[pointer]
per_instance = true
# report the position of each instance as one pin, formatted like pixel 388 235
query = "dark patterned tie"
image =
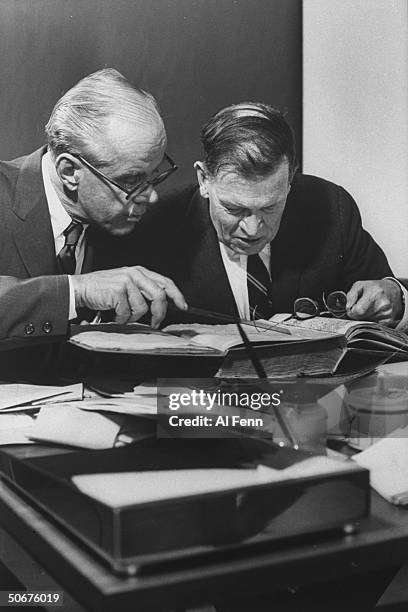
pixel 66 256
pixel 259 288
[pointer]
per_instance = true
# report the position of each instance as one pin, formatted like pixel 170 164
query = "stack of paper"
pixel 387 461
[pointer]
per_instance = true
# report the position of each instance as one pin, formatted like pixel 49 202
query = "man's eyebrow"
pixel 229 203
pixel 134 177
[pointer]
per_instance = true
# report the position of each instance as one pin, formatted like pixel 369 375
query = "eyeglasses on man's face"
pixel 157 177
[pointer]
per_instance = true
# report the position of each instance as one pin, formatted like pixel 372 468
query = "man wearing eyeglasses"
pixel 65 208
pixel 256 236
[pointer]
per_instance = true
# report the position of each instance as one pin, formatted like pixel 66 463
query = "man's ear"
pixel 68 169
pixel 202 178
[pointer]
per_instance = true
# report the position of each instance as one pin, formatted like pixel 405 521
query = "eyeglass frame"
pixel 138 188
pixel 319 312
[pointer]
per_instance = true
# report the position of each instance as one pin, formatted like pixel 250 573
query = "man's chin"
pixel 243 247
pixel 123 229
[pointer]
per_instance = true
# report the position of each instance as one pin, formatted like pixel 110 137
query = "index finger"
pixel 171 289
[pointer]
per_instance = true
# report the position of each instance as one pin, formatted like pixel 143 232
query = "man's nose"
pixel 250 225
pixel 147 196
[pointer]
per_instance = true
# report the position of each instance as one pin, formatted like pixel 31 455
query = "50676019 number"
pixel 31 598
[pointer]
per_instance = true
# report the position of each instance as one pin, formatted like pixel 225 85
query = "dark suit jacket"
pixel 34 298
pixel 321 246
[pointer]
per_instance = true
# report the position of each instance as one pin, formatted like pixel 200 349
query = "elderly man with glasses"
pixel 257 238
pixel 64 207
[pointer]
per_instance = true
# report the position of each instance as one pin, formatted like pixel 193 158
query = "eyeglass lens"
pixel 305 308
pixel 336 303
pixel 151 182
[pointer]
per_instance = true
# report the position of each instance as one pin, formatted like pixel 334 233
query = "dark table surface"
pixel 382 540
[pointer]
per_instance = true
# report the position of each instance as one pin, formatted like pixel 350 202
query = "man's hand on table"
pixel 130 292
pixel 376 300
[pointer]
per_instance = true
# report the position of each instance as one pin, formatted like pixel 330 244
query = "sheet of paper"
pixel 14 427
pixel 22 395
pixel 67 424
pixel 128 488
pixel 387 461
pixel 136 406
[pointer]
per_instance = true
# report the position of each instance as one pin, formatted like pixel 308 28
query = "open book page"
pixel 327 325
pixel 359 334
pixel 224 337
pixel 135 343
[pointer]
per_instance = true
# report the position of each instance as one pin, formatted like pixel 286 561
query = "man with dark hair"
pixel 256 235
pixel 60 205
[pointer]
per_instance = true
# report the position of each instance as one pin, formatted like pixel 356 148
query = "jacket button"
pixel 47 327
pixel 29 329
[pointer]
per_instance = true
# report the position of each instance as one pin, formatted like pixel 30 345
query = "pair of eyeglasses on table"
pixel 304 308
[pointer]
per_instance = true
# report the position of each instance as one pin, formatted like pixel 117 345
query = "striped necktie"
pixel 259 288
pixel 66 256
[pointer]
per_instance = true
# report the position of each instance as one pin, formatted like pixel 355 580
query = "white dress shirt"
pixel 60 220
pixel 236 268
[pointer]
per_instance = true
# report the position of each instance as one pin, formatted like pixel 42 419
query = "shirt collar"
pixel 237 257
pixel 60 219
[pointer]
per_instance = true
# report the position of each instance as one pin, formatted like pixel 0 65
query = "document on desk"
pixel 129 488
pixel 316 347
pixel 14 428
pixel 135 405
pixel 194 339
pixel 387 461
pixel 66 424
pixel 18 396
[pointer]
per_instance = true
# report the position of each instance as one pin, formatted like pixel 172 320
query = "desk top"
pixel 382 540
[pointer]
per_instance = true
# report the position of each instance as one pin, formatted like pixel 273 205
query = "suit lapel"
pixel 31 223
pixel 210 285
pixel 287 256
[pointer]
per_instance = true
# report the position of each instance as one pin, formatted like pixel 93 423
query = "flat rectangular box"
pixel 134 538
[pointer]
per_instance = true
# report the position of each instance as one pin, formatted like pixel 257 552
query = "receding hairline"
pixel 88 107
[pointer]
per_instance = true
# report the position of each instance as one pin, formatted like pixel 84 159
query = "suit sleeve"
pixel 33 309
pixel 363 259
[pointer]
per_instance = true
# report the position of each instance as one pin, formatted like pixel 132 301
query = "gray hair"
pixel 82 113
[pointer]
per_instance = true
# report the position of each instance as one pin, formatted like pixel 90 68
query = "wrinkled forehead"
pixel 137 143
pixel 233 187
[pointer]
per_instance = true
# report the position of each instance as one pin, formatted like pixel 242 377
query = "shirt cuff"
pixel 72 309
pixel 403 323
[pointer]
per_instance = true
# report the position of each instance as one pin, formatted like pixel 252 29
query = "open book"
pixel 316 347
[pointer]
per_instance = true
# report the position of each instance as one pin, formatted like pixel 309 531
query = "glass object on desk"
pixel 306 418
pixel 376 411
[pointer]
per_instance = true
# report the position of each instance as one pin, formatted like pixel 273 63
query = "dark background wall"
pixel 195 56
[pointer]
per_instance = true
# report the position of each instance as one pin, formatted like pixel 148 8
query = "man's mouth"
pixel 248 240
pixel 133 218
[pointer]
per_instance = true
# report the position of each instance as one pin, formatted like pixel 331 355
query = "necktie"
pixel 259 288
pixel 66 256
